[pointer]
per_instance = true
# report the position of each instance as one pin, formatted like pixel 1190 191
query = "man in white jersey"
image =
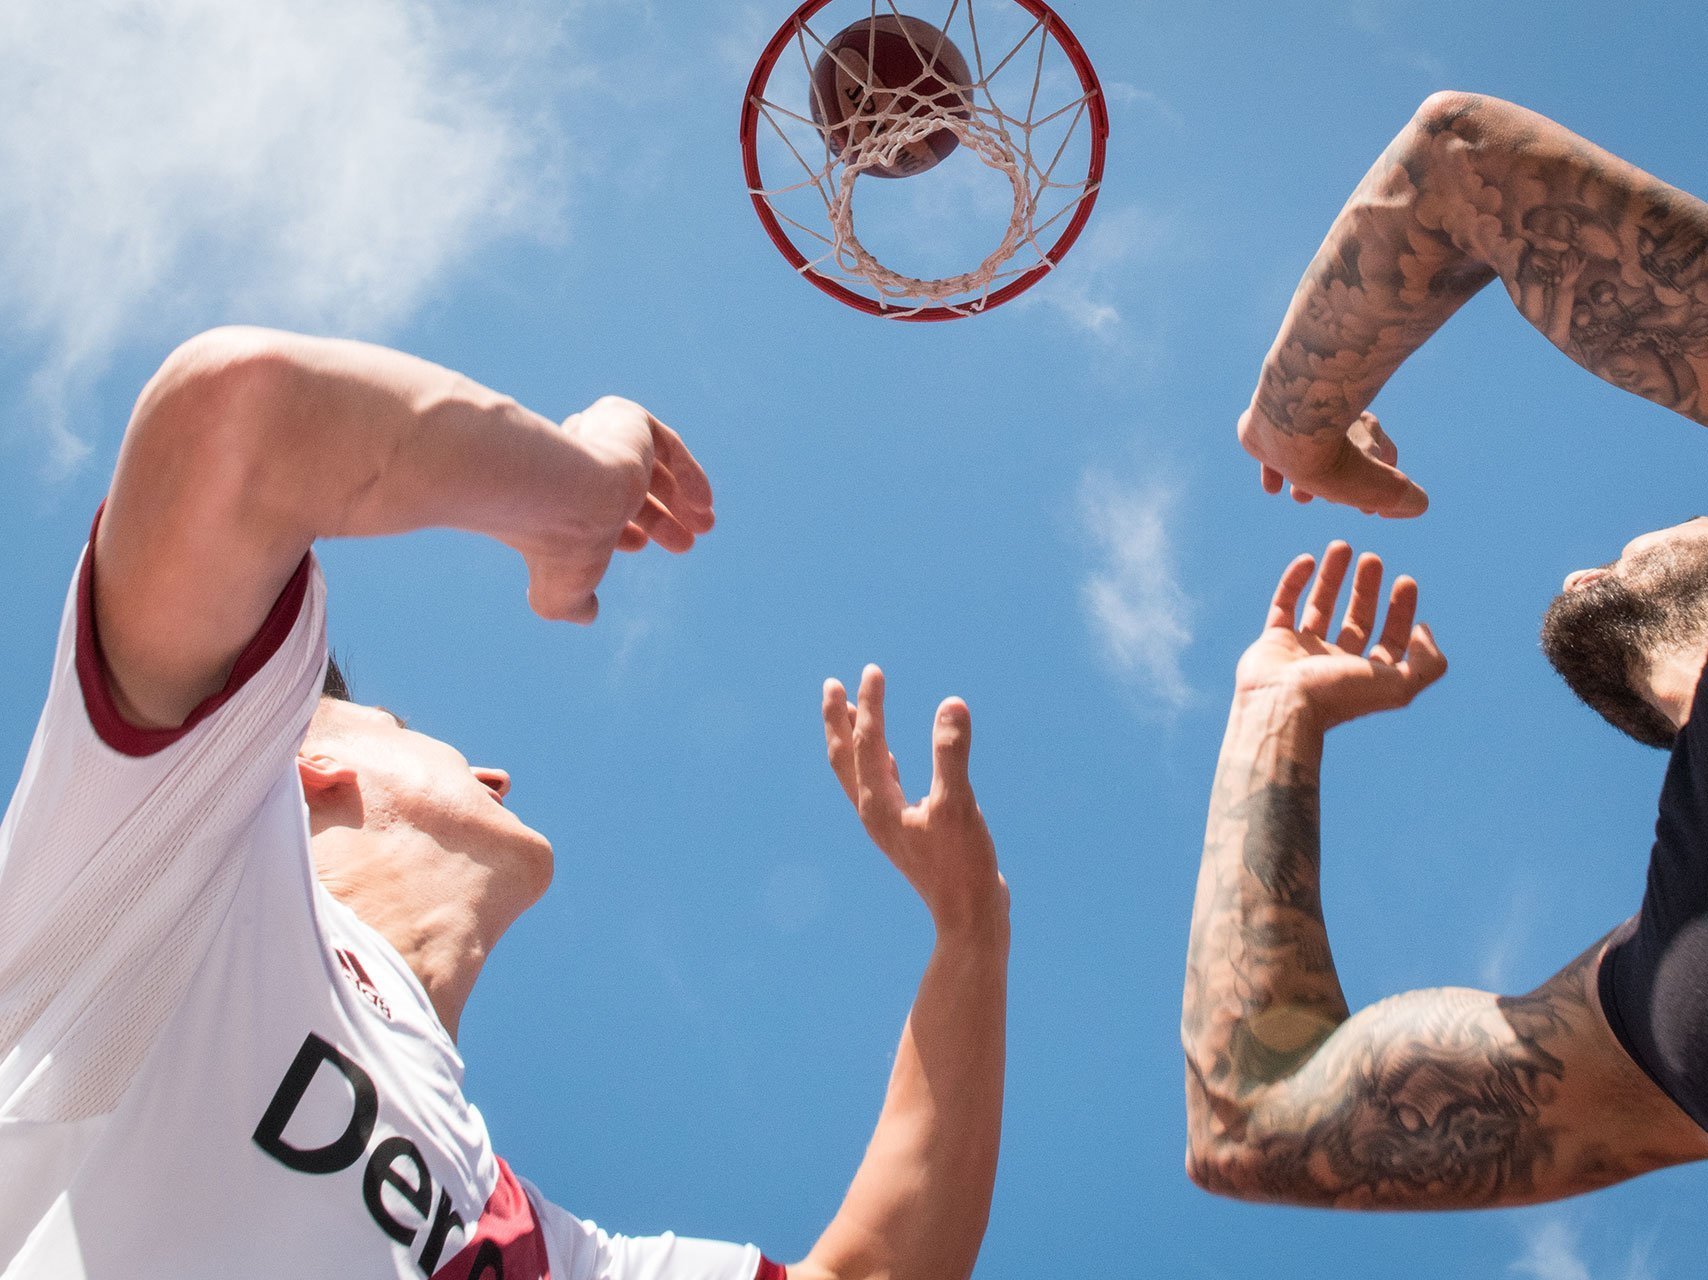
pixel 239 921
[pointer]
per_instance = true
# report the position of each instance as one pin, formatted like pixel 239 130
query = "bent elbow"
pixel 1213 1166
pixel 211 410
pixel 212 380
pixel 1471 116
pixel 1240 1171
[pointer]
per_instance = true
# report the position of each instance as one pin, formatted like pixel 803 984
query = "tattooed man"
pixel 1608 262
pixel 1455 1098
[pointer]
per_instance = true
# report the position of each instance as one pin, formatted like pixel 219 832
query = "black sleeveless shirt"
pixel 1654 977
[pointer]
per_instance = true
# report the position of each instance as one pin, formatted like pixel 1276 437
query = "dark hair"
pixel 1596 641
pixel 335 686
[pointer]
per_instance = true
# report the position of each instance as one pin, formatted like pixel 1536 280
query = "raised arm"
pixel 1608 262
pixel 249 444
pixel 1437 1099
pixel 920 1201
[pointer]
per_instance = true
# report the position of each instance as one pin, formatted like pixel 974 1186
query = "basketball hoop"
pixel 814 147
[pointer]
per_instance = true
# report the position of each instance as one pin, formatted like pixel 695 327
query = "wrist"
pixel 1279 430
pixel 1279 704
pixel 983 927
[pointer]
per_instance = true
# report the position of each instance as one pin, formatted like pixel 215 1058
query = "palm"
pixel 1336 677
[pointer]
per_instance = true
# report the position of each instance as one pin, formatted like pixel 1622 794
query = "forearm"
pixel 1607 261
pixel 919 1204
pixel 250 444
pixel 1261 990
pixel 1437 1099
pixel 324 437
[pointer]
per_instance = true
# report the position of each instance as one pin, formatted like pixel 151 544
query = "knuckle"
pixel 616 404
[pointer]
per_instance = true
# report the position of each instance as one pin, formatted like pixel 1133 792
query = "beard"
pixel 1603 638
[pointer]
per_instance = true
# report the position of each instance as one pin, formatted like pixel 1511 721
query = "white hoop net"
pixel 1042 152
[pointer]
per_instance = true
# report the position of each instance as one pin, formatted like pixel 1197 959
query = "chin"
pixel 541 861
pixel 527 856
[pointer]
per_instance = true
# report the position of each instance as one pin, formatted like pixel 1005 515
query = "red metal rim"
pixel 1098 110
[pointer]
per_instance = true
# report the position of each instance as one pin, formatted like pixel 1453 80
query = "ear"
pixel 322 774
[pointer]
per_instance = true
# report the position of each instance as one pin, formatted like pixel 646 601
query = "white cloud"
pixel 1087 289
pixel 742 35
pixel 1123 94
pixel 1504 953
pixel 1134 602
pixel 1553 1252
pixel 321 163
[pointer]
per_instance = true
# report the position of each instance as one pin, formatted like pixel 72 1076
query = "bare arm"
pixel 1608 262
pixel 920 1201
pixel 1438 1099
pixel 249 444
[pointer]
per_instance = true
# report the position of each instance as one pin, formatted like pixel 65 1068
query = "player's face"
pixel 415 780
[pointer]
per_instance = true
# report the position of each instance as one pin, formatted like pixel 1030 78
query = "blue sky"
pixel 1042 509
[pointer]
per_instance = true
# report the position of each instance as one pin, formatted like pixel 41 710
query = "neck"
pixel 1672 680
pixel 442 913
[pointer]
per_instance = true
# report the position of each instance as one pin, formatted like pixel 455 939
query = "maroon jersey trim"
pixel 507 1243
pixel 769 1270
pixel 133 740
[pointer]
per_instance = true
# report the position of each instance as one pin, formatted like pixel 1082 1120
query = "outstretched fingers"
pixel 878 793
pixel 1407 646
pixel 656 522
pixel 839 738
pixel 1285 604
pixel 951 745
pixel 1319 607
pixel 1360 619
pixel 679 480
pixel 1397 631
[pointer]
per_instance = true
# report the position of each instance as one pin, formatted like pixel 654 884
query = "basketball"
pixel 883 68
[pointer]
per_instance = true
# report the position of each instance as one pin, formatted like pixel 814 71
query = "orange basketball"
pixel 885 67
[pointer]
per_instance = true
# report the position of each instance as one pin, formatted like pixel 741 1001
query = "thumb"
pixel 1379 487
pixel 951 744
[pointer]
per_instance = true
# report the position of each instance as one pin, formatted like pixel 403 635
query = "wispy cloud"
pixel 322 163
pixel 1373 19
pixel 1553 1251
pixel 1121 93
pixel 1092 287
pixel 1504 953
pixel 1133 599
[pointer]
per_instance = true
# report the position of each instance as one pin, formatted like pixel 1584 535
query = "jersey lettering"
pixel 395 1161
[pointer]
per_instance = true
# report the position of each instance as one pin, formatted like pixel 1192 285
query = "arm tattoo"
pixel 1433 1099
pixel 1262 993
pixel 1608 262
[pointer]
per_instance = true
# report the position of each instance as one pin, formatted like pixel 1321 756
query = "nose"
pixel 497 779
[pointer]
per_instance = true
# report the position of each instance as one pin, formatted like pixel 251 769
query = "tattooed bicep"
pixel 1429 1098
pixel 1608 261
pixel 1453 1098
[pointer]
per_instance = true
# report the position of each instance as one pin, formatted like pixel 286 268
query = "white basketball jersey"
pixel 208 1066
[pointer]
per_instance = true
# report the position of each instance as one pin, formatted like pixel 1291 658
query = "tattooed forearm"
pixel 1261 988
pixel 1610 263
pixel 1436 1099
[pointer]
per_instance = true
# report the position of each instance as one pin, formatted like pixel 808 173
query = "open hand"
pixel 636 483
pixel 1337 680
pixel 1357 469
pixel 940 842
